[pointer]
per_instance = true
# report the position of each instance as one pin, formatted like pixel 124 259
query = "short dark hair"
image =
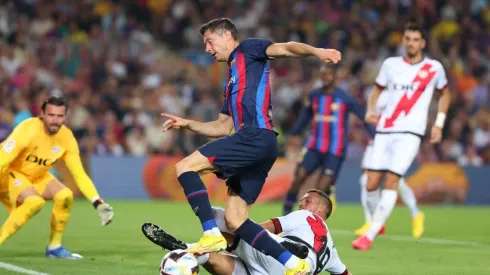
pixel 412 26
pixel 219 26
pixel 326 200
pixel 56 101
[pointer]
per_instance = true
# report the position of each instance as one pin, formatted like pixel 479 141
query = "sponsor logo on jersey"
pixel 403 87
pixel 40 161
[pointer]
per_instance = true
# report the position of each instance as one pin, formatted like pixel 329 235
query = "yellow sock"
pixel 20 216
pixel 63 202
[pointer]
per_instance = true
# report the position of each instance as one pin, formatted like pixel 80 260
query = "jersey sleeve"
pixel 256 48
pixel 74 164
pixel 291 221
pixel 15 143
pixel 305 116
pixel 441 81
pixel 383 77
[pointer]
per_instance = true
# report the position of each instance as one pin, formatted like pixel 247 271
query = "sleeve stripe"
pixel 277 225
pixel 381 87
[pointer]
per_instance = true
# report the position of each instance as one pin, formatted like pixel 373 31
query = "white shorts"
pixel 394 152
pixel 366 158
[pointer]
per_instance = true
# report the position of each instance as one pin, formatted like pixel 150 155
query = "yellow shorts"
pixel 12 183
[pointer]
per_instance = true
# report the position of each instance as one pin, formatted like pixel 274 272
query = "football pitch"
pixel 457 240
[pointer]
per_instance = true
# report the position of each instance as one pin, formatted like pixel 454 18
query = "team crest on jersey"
pixel 55 149
pixel 231 81
pixel 423 74
pixel 335 106
pixel 9 146
pixel 328 172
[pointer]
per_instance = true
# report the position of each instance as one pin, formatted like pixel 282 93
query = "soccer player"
pixel 306 226
pixel 410 82
pixel 329 107
pixel 26 157
pixel 403 188
pixel 245 157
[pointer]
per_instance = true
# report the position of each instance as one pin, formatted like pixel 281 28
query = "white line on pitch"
pixel 421 240
pixel 15 268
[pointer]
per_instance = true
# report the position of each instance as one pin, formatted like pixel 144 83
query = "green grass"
pixel 121 248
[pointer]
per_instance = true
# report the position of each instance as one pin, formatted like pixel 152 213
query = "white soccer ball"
pixel 179 262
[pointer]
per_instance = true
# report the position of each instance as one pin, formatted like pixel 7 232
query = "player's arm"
pixel 360 113
pixel 444 102
pixel 297 49
pixel 305 117
pixel 221 127
pixel 85 184
pixel 380 83
pixel 290 222
pixel 13 145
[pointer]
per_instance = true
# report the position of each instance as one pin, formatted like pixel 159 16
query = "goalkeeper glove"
pixel 104 210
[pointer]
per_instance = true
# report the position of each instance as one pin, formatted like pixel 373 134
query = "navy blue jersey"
pixel 248 92
pixel 330 113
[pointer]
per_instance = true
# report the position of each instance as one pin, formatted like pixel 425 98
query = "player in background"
pixel 26 157
pixel 410 82
pixel 306 226
pixel 403 188
pixel 245 157
pixel 329 107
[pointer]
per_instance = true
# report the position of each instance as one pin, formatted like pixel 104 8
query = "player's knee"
pixel 64 196
pixel 35 203
pixel 391 182
pixel 234 220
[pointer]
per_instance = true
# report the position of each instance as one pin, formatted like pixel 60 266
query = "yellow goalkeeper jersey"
pixel 29 150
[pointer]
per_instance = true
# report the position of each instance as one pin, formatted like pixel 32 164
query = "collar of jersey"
pixel 230 57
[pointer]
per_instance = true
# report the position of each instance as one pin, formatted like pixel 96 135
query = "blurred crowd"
pixel 122 63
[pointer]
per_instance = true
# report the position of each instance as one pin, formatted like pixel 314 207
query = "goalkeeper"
pixel 26 157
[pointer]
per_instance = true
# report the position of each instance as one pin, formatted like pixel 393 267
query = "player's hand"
pixel 435 135
pixel 371 118
pixel 174 122
pixel 328 55
pixel 105 212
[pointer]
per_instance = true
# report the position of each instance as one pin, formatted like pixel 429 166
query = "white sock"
pixel 292 262
pixel 372 201
pixel 383 211
pixel 203 259
pixel 363 183
pixel 53 247
pixel 214 232
pixel 408 197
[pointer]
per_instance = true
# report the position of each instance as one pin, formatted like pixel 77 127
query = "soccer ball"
pixel 179 262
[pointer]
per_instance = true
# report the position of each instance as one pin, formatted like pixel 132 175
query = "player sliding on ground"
pixel 26 157
pixel 305 226
pixel 245 157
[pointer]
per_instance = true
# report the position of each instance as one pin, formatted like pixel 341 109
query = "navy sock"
pixel 256 236
pixel 289 202
pixel 197 196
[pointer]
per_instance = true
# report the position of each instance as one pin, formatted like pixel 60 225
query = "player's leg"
pixel 23 194
pixel 188 172
pixel 243 191
pixel 410 201
pixel 331 169
pixel 405 147
pixel 309 162
pixel 62 197
pixel 367 213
